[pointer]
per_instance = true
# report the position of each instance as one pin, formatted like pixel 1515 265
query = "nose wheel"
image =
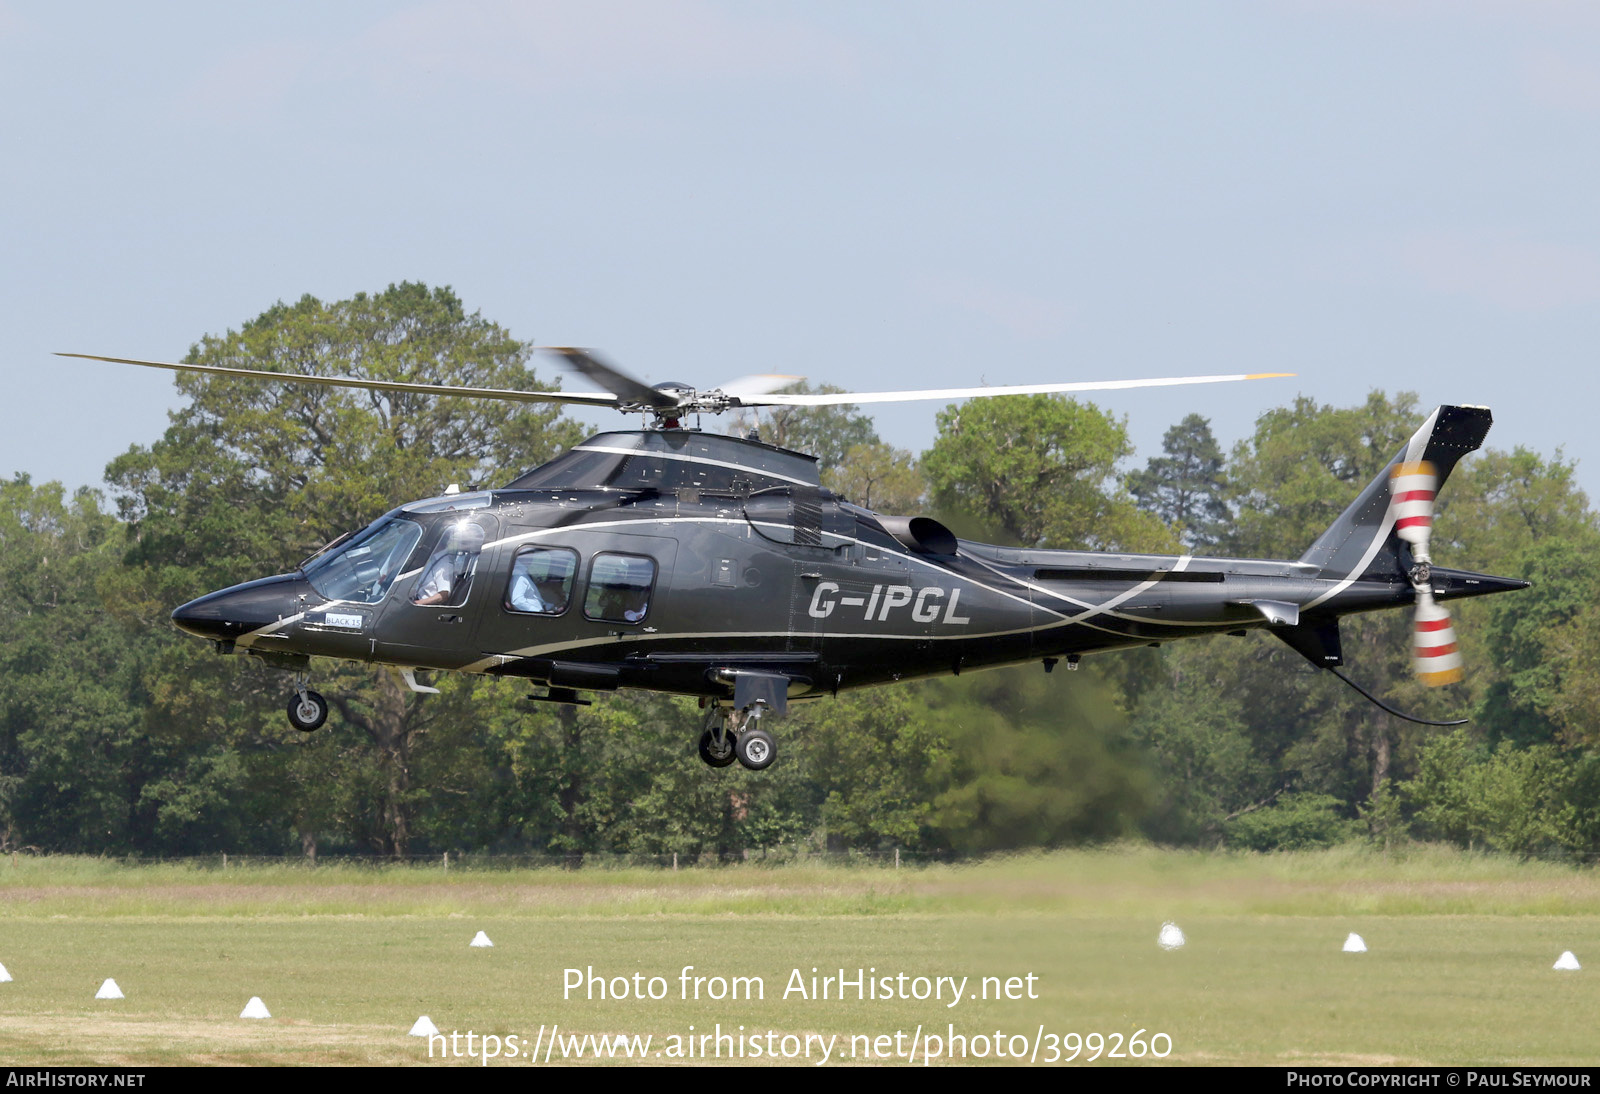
pixel 730 736
pixel 307 709
pixel 756 748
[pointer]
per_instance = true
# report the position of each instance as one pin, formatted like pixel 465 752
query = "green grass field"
pixel 347 958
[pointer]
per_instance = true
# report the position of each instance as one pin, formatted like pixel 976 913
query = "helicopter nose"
pixel 228 613
pixel 203 618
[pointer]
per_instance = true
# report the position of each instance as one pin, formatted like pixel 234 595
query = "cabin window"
pixel 619 588
pixel 541 580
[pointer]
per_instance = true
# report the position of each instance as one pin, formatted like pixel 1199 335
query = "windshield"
pixel 362 569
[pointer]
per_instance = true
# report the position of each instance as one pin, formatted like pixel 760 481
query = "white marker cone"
pixel 480 939
pixel 254 1009
pixel 1566 961
pixel 424 1028
pixel 109 990
pixel 1170 937
pixel 5 977
pixel 1354 944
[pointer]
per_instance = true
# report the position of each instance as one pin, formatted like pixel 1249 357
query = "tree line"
pixel 119 735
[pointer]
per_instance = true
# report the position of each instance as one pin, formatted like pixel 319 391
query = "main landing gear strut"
pixel 737 735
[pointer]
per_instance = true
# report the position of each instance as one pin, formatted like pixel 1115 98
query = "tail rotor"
pixel 1435 657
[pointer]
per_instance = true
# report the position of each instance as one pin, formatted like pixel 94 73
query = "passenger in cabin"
pixel 624 604
pixel 541 580
pixel 524 595
pixel 619 588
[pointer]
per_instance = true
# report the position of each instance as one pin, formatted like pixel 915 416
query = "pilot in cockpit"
pixel 450 572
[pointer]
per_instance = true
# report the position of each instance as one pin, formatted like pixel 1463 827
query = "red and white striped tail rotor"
pixel 1434 654
pixel 1411 491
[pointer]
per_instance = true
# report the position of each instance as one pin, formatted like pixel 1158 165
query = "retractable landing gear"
pixel 733 735
pixel 717 742
pixel 307 709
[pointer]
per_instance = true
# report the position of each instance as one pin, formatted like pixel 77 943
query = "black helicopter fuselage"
pixel 718 567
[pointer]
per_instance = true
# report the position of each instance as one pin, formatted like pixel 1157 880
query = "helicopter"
pixel 718 567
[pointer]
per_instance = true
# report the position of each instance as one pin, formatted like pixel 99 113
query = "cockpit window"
pixel 361 570
pixel 619 588
pixel 448 575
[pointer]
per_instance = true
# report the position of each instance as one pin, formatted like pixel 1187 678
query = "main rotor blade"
pixel 762 383
pixel 584 397
pixel 626 388
pixel 843 397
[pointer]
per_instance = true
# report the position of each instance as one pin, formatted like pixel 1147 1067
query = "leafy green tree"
pixel 75 766
pixel 1306 463
pixel 1509 799
pixel 1575 706
pixel 1036 761
pixel 852 461
pixel 623 777
pixel 1041 471
pixel 875 763
pixel 1500 504
pixel 826 432
pixel 1295 822
pixel 1522 515
pixel 252 476
pixel 1187 486
pixel 1534 645
pixel 1197 732
pixel 878 477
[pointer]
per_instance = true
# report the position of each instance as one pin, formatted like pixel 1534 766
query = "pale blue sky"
pixel 1371 194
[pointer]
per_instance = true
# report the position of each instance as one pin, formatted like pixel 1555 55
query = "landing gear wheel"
pixel 711 754
pixel 756 748
pixel 307 711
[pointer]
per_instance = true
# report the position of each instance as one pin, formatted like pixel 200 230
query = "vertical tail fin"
pixel 1364 541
